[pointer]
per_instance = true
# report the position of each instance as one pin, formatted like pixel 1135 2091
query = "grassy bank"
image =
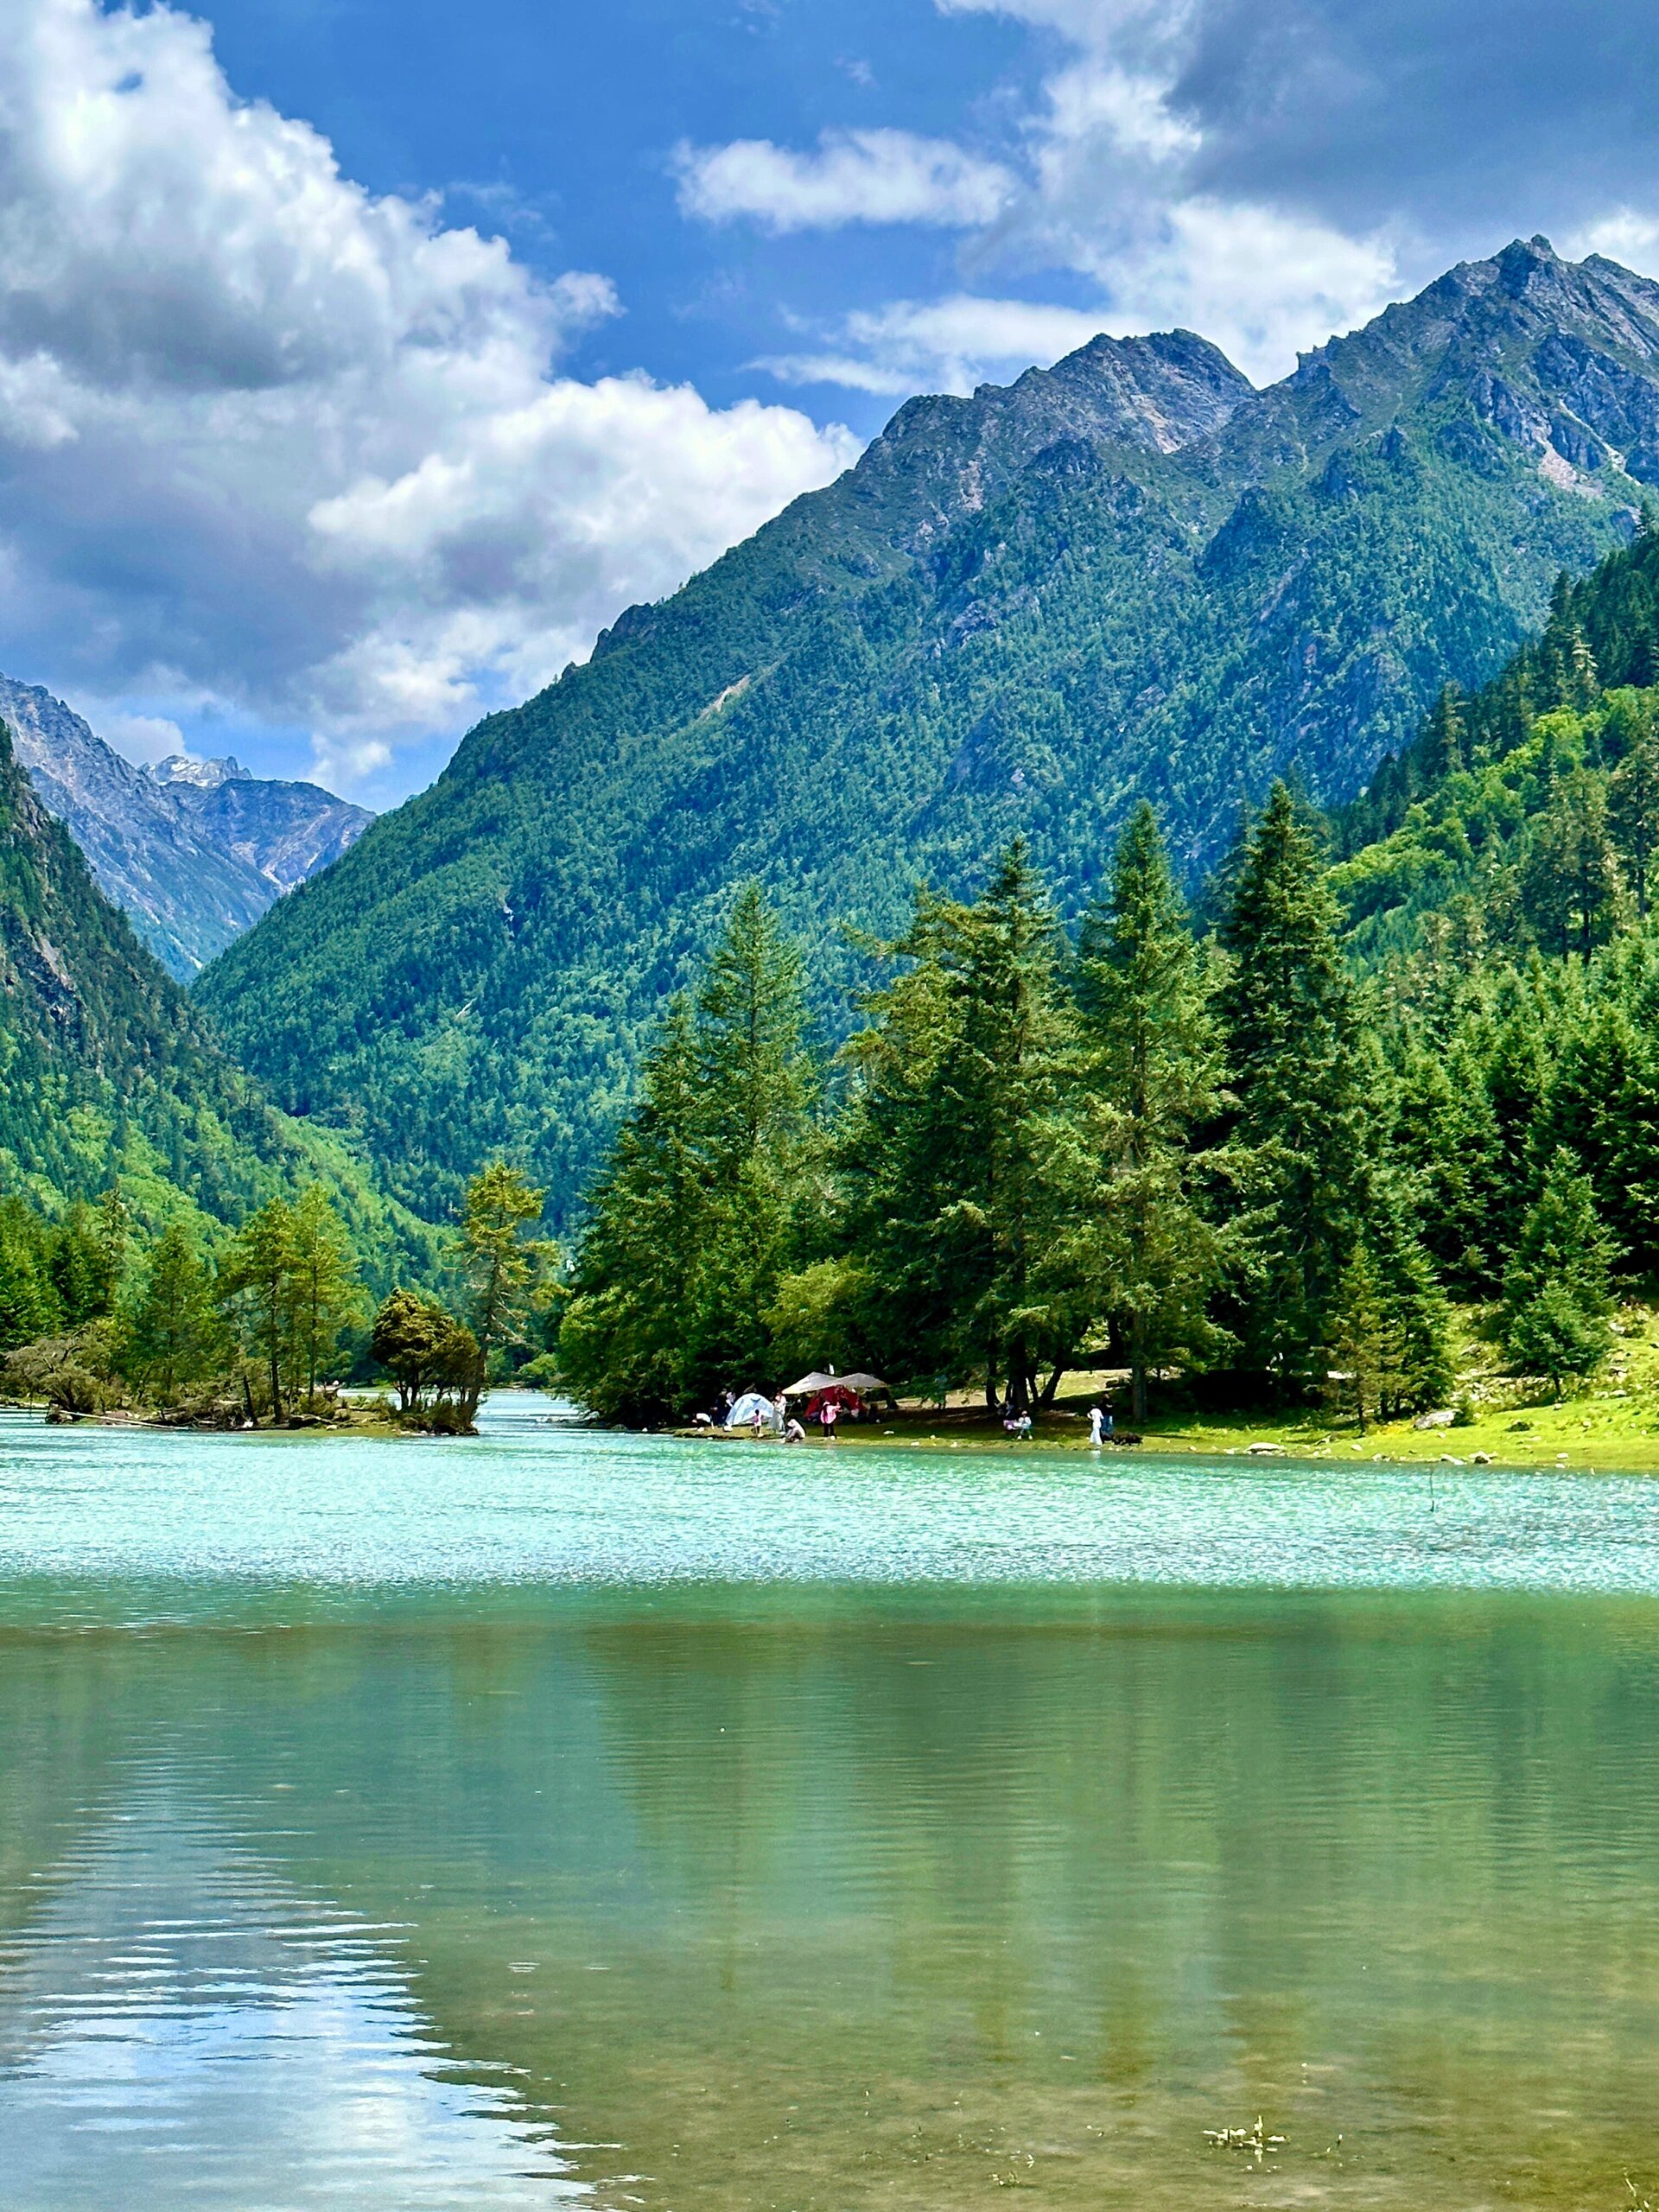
pixel 1613 1424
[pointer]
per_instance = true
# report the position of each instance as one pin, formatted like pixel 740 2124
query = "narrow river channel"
pixel 561 1818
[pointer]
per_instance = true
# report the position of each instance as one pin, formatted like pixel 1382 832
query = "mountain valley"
pixel 194 851
pixel 1132 575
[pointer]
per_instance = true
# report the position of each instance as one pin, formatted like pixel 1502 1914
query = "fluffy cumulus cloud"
pixel 1272 171
pixel 854 176
pixel 1266 171
pixel 273 444
pixel 140 737
pixel 1104 177
pixel 948 345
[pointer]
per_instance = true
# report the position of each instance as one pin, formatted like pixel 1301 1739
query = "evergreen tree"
pixel 430 1356
pixel 1570 877
pixel 326 1295
pixel 695 1222
pixel 115 1239
pixel 969 1171
pixel 502 1267
pixel 1299 1124
pixel 1414 1305
pixel 1364 1344
pixel 756 1083
pixel 1152 1074
pixel 623 1339
pixel 171 1335
pixel 1557 1296
pixel 1446 735
pixel 28 1306
pixel 80 1267
pixel 1633 788
pixel 256 1286
pixel 1445 1139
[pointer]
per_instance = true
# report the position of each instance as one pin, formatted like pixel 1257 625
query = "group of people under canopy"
pixel 820 1397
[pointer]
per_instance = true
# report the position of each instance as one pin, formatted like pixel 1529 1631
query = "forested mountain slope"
pixel 193 852
pixel 1526 818
pixel 1499 882
pixel 1131 574
pixel 108 1070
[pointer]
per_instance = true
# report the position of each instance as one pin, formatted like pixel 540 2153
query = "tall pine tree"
pixel 1300 1127
pixel 967 1169
pixel 1151 1077
pixel 693 1223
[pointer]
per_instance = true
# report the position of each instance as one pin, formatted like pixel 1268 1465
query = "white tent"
pixel 809 1385
pixel 868 1386
pixel 752 1402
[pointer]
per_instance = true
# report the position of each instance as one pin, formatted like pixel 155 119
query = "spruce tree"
pixel 171 1335
pixel 693 1223
pixel 28 1306
pixel 1633 788
pixel 1300 1129
pixel 1151 1075
pixel 1416 1310
pixel 501 1266
pixel 969 1169
pixel 1446 738
pixel 327 1293
pixel 1570 875
pixel 1364 1346
pixel 1557 1294
pixel 256 1285
pixel 80 1267
pixel 623 1340
pixel 756 1083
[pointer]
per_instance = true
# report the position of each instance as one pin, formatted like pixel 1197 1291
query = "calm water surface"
pixel 566 1819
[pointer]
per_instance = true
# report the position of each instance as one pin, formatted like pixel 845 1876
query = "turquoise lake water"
pixel 562 1817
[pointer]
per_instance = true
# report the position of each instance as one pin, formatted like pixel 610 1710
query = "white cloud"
pixel 1259 284
pixel 273 444
pixel 854 176
pixel 948 345
pixel 141 737
pixel 1624 236
pixel 1109 187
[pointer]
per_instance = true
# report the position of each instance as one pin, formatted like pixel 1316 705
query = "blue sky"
pixel 359 358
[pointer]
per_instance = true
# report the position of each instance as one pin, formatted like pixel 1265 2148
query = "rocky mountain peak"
pixel 193 850
pixel 201 775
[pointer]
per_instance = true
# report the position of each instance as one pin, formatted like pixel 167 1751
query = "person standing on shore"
pixel 829 1414
pixel 1096 1420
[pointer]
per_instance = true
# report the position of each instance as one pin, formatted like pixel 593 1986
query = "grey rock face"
pixel 194 851
pixel 286 831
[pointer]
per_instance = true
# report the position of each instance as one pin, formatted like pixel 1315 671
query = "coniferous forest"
pixel 1403 1055
pixel 1395 1060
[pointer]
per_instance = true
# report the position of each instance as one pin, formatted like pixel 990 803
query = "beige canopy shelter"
pixel 860 1386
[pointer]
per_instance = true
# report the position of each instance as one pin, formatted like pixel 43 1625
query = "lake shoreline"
pixel 1604 1433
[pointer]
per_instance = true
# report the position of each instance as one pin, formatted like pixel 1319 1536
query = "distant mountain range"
pixel 194 851
pixel 1133 572
pixel 110 1070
